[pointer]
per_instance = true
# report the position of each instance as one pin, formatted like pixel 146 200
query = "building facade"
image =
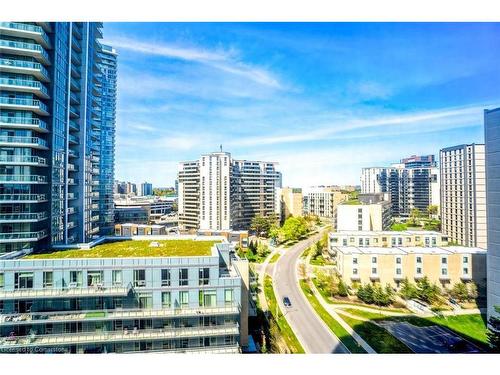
pixel 413 183
pixel 363 216
pixel 323 201
pixel 218 192
pixel 463 194
pixel 172 304
pixel 146 189
pixel 50 134
pixel 140 210
pixel 290 202
pixel 492 150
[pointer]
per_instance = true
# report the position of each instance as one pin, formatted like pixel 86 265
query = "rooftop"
pixel 386 233
pixel 135 249
pixel 409 250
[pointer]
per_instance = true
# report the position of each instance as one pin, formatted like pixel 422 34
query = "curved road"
pixel 312 332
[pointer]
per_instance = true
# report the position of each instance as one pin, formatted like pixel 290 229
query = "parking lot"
pixel 431 339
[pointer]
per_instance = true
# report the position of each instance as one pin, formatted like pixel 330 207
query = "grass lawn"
pixel 398 227
pixel 377 337
pixel 334 326
pixel 321 261
pixel 471 326
pixel 364 314
pixel 274 258
pixel 285 329
pixel 127 249
pixel 95 314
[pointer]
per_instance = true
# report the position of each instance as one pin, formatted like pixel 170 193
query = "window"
pixel 117 278
pixel 2 280
pixel 400 241
pixel 360 241
pixel 344 242
pixel 335 239
pixel 444 271
pixel 466 271
pixel 94 278
pixel 419 270
pixel 398 271
pixel 166 300
pixel 419 259
pixel 75 279
pixel 183 277
pixel 351 239
pixel 374 260
pixel 145 301
pixel 23 280
pixel 465 260
pixel 228 297
pixel 48 279
pixel 354 260
pixel 444 260
pixel 354 271
pixel 393 241
pixel 398 260
pixel 165 277
pixel 204 276
pixel 184 298
pixel 139 278
pixel 207 298
pixel 374 271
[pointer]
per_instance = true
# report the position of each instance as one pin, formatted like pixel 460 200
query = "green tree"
pixel 294 228
pixel 260 225
pixel 493 333
pixel 426 291
pixel 414 215
pixel 408 290
pixel 342 289
pixel 460 292
pixel 366 293
pixel 432 210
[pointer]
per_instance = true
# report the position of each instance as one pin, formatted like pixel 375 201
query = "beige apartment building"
pixel 444 266
pixel 323 201
pixel 406 238
pixel 370 212
pixel 290 202
pixel 463 194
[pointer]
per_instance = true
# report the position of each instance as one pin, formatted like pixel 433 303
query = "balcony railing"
pixel 25 83
pixel 122 314
pixel 27 27
pixel 24 102
pixel 23 141
pixel 33 236
pixel 73 139
pixel 21 64
pixel 24 122
pixel 25 46
pixel 23 198
pixel 117 336
pixel 19 178
pixel 23 159
pixel 33 216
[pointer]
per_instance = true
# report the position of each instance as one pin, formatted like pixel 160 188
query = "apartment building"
pixel 323 201
pixel 146 189
pixel 162 302
pixel 444 266
pixel 463 194
pixel 412 183
pixel 51 134
pixel 131 229
pixel 290 202
pixel 387 238
pixel 142 210
pixel 370 212
pixel 492 153
pixel 218 192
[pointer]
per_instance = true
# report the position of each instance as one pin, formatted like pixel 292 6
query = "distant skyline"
pixel 322 99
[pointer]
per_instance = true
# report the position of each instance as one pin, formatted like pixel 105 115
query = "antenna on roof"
pixel 221 148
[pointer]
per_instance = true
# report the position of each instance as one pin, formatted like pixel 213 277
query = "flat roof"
pixel 386 233
pixel 445 250
pixel 136 249
pixel 426 250
pixel 466 250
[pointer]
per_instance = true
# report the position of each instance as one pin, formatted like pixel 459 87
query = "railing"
pixel 26 27
pixel 73 138
pixel 24 45
pixel 23 217
pixel 219 349
pixel 25 102
pixel 121 336
pixel 25 64
pixel 20 236
pixel 22 159
pixel 124 314
pixel 24 83
pixel 23 140
pixel 64 293
pixel 24 121
pixel 22 178
pixel 73 153
pixel 23 197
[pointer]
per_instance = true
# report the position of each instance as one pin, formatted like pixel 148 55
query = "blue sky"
pixel 322 99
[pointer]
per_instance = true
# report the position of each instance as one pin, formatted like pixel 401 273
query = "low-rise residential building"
pixel 131 229
pixel 290 202
pixel 367 213
pixel 444 266
pixel 387 238
pixel 161 295
pixel 239 237
pixel 323 201
pixel 141 210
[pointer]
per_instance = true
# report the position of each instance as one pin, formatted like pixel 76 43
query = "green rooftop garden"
pixel 352 202
pixel 134 249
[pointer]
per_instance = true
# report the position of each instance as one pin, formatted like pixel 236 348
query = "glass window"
pixel 398 260
pixel 184 298
pixel 344 242
pixel 419 259
pixel 117 278
pixel 374 259
pixel 419 270
pixel 354 260
pixel 94 278
pixel 228 296
pixel 208 298
pixel 139 278
pixel 466 271
pixel 444 271
pixel 48 279
pixel 398 271
pixel 183 277
pixel 444 260
pixel 145 301
pixel 204 276
pixel 166 300
pixel 75 279
pixel 165 277
pixel 374 271
pixel 23 280
pixel 2 280
pixel 354 271
pixel 466 259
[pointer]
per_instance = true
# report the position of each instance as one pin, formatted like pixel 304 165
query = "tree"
pixel 426 291
pixel 432 210
pixel 460 292
pixel 366 293
pixel 294 228
pixel 408 290
pixel 493 333
pixel 414 215
pixel 260 225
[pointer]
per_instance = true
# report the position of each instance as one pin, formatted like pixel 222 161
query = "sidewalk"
pixel 262 274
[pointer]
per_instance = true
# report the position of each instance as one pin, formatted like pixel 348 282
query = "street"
pixel 312 332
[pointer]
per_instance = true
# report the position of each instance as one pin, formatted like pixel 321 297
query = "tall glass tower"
pixel 51 120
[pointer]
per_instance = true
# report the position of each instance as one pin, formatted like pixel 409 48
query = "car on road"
pixel 286 302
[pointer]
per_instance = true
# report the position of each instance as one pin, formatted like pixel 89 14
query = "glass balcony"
pixel 119 314
pixel 23 160
pixel 76 59
pixel 74 112
pixel 72 167
pixel 73 126
pixel 117 336
pixel 94 230
pixel 24 85
pixel 73 153
pixel 72 196
pixel 91 291
pixel 24 123
pixel 23 198
pixel 76 32
pixel 33 105
pixel 23 218
pixel 94 218
pixel 71 224
pixel 25 31
pixel 73 139
pixel 72 181
pixel 34 142
pixel 25 67
pixel 25 49
pixel 75 85
pixel 76 45
pixel 22 179
pixel 74 99
pixel 21 237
